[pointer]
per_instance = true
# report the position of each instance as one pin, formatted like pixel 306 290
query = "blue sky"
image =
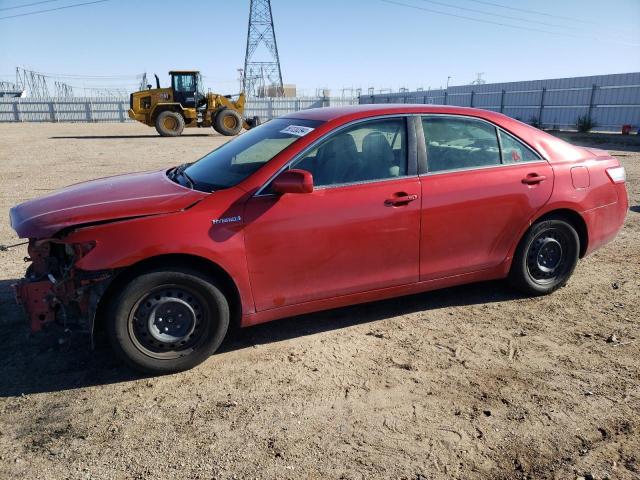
pixel 329 43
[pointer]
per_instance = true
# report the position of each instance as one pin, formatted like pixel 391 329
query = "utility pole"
pixel 261 65
pixel 241 78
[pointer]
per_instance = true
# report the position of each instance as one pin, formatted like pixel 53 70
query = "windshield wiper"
pixel 180 171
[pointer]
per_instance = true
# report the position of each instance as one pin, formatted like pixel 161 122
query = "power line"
pixel 521 19
pixel 53 9
pixel 519 27
pixel 524 10
pixel 28 5
pixel 484 12
pixel 70 75
pixel 480 20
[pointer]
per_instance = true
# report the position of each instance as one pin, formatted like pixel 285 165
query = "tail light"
pixel 617 174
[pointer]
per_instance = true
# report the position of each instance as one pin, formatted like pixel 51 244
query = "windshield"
pixel 234 161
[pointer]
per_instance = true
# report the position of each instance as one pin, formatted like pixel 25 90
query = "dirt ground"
pixel 469 382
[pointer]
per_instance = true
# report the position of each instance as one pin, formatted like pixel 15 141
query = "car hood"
pixel 105 199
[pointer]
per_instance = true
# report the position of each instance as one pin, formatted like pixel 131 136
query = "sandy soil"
pixel 470 382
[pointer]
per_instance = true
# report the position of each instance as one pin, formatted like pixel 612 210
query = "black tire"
pixel 545 258
pixel 227 122
pixel 254 122
pixel 151 344
pixel 169 124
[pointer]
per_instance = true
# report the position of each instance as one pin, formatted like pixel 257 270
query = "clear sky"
pixel 328 43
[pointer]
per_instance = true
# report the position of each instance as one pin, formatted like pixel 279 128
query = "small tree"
pixel 585 124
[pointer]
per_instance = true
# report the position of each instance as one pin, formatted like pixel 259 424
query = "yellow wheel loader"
pixel 185 104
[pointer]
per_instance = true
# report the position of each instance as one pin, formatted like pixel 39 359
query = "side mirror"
pixel 293 181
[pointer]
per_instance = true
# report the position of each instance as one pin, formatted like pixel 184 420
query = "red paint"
pixel 580 177
pixel 293 181
pixel 98 200
pixel 301 252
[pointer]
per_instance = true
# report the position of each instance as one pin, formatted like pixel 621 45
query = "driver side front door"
pixel 359 230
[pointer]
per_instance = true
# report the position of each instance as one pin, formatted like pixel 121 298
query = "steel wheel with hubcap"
pixel 168 320
pixel 545 257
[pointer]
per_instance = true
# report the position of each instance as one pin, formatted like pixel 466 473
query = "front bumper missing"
pixel 73 301
pixel 35 298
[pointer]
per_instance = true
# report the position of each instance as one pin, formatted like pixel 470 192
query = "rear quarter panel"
pixel 601 203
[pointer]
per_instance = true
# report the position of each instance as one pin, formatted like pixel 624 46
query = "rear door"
pixel 481 186
pixel 358 230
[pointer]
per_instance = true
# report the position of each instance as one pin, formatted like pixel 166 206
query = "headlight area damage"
pixel 54 290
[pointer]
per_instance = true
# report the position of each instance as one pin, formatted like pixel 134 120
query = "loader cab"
pixel 187 88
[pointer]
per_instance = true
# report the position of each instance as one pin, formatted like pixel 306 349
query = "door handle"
pixel 533 179
pixel 399 199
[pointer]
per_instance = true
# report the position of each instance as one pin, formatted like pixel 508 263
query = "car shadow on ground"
pixel 115 137
pixel 58 360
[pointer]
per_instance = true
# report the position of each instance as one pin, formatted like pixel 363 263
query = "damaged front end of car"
pixel 54 290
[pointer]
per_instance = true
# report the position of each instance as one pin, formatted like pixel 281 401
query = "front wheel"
pixel 545 257
pixel 166 321
pixel 227 122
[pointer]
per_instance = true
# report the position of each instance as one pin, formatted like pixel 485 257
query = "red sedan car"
pixel 319 209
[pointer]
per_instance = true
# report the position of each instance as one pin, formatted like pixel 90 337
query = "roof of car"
pixel 368 110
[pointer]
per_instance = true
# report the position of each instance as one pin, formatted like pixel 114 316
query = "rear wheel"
pixel 227 122
pixel 545 257
pixel 166 321
pixel 169 124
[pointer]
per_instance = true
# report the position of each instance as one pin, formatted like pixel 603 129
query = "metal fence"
pixel 609 100
pixel 114 109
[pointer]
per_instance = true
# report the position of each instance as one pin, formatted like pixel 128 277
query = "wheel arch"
pixel 200 264
pixel 574 219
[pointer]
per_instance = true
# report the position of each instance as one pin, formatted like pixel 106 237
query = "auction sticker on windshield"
pixel 297 130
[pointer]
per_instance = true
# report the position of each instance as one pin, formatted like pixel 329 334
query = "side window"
pixel 454 143
pixel 513 151
pixel 374 150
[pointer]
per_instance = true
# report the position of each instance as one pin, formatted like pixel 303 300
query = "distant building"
pixel 272 91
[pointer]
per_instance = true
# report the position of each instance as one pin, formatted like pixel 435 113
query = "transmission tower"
pixel 261 65
pixel 34 83
pixel 479 80
pixel 143 82
pixel 63 89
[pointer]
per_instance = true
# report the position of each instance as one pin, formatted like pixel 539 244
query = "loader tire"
pixel 253 122
pixel 169 124
pixel 227 122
